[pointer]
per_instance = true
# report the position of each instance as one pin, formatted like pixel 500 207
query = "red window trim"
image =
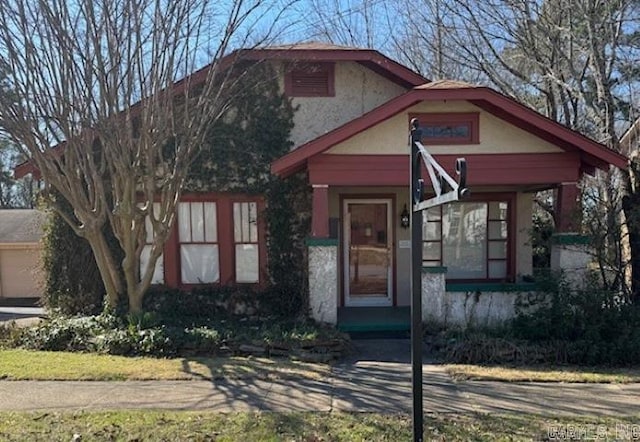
pixel 325 68
pixel 470 119
pixel 204 242
pixel 226 247
pixel 510 198
pixel 258 242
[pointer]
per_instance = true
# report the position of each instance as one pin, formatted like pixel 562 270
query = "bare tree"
pixel 96 79
pixel 573 60
pixel 357 23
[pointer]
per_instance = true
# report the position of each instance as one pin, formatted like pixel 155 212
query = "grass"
pixel 19 364
pixel 571 374
pixel 307 427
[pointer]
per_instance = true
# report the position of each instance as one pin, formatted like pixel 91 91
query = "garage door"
pixel 20 274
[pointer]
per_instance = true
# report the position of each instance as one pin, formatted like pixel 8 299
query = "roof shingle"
pixel 21 225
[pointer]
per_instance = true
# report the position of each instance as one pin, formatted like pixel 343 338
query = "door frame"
pixel 345 230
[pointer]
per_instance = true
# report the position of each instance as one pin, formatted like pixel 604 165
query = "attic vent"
pixel 310 80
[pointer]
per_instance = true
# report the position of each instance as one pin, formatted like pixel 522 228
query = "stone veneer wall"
pixel 323 280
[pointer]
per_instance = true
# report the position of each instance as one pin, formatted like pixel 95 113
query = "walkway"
pixel 358 384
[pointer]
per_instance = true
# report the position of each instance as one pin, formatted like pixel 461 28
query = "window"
pixel 158 272
pixel 310 80
pixel 449 128
pixel 245 237
pixel 198 238
pixel 471 239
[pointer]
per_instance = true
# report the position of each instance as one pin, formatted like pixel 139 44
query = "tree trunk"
pixel 107 267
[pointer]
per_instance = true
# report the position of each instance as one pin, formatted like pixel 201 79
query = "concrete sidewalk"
pixel 366 386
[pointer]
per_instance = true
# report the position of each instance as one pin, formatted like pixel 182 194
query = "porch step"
pixel 374 319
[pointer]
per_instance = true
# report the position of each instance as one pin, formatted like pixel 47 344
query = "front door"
pixel 368 252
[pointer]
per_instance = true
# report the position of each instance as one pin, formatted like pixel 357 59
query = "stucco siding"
pixel 20 273
pixel 357 91
pixel 496 135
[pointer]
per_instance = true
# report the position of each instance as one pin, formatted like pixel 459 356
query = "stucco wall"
pixel 20 273
pixel 496 135
pixel 323 283
pixel 358 90
pixel 473 308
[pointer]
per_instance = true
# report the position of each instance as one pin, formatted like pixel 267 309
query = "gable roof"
pixel 592 154
pixel 318 52
pixel 21 226
pixel 305 51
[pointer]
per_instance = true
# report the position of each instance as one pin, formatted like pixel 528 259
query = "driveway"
pixel 21 315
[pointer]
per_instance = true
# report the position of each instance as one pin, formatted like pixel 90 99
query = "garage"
pixel 21 273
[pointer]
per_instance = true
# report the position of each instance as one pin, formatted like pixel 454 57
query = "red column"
pixel 568 215
pixel 320 211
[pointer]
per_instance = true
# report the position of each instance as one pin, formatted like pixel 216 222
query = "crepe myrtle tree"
pixel 90 96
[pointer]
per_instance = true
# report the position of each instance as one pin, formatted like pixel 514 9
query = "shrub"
pixel 587 326
pixel 143 335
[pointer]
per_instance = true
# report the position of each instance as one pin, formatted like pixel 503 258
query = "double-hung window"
pixel 471 239
pixel 246 247
pixel 198 238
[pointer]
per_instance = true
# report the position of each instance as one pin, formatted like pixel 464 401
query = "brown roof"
pixel 446 84
pixel 313 46
pixel 21 225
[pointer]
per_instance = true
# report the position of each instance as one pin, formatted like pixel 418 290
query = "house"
pixel 350 141
pixel 21 233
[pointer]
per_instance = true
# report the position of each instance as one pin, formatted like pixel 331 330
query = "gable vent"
pixel 312 80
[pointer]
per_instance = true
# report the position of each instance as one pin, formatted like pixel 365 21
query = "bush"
pixel 143 335
pixel 589 326
pixel 198 306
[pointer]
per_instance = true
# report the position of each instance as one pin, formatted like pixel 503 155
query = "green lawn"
pixel 461 372
pixel 41 365
pixel 307 427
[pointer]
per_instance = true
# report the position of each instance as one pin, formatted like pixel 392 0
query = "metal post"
pixel 416 283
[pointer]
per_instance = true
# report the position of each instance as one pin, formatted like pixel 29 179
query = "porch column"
pixel 567 208
pixel 320 211
pixel 569 249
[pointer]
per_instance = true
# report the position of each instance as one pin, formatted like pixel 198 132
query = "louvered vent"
pixel 310 81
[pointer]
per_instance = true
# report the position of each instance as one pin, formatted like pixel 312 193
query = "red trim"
pixel 324 71
pixel 496 169
pixel 369 58
pixel 470 119
pixel 320 212
pixel 172 257
pixel 512 219
pixel 226 245
pixel 591 152
pixel 341 251
pixel 567 207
